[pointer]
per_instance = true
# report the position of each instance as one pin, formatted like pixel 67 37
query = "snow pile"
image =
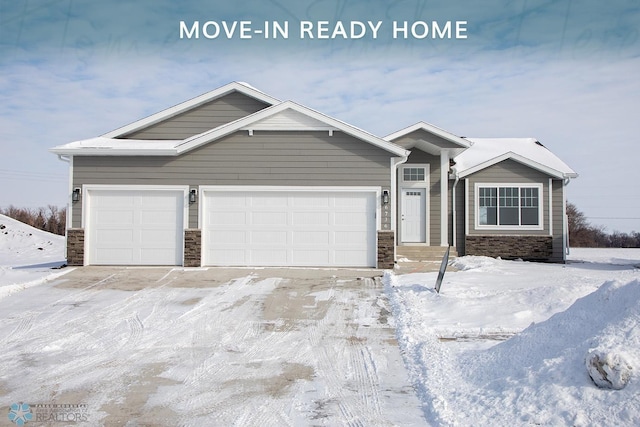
pixel 540 375
pixel 27 256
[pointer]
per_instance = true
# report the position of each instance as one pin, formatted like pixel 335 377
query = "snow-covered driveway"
pixel 164 346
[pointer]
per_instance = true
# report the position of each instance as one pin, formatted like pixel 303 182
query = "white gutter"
pixel 395 163
pixel 453 208
pixel 68 219
pixel 565 220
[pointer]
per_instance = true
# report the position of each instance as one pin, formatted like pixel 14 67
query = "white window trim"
pixel 420 184
pixel 540 188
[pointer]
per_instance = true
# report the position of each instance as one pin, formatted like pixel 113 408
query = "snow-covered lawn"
pixel 27 256
pixel 503 344
pixel 465 374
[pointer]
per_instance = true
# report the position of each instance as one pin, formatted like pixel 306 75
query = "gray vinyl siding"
pixel 202 118
pixel 509 171
pixel 267 158
pixel 418 156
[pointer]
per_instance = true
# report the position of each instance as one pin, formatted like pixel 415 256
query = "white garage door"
pixel 135 227
pixel 289 228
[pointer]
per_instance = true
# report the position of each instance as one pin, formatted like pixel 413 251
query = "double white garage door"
pixel 240 226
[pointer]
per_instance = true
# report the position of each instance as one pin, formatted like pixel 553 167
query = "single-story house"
pixel 236 177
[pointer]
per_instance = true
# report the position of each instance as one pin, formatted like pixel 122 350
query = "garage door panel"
pixel 150 256
pixel 227 218
pixel 268 200
pixel 159 217
pixel 269 218
pixel 350 237
pixel 305 238
pixel 115 255
pixel 114 217
pixel 295 228
pixel 310 202
pixel 113 236
pixel 268 257
pixel 310 218
pixel 346 258
pixel 157 238
pixel 302 257
pixel 343 201
pixel 269 238
pixel 135 227
pixel 234 257
pixel 355 219
pixel 239 237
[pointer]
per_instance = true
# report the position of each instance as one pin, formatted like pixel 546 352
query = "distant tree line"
pixel 51 218
pixel 584 235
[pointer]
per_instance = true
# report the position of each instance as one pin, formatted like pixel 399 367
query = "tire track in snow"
pixel 136 327
pixel 101 341
pixel 24 326
pixel 27 319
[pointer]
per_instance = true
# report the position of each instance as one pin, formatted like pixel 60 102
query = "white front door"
pixel 413 214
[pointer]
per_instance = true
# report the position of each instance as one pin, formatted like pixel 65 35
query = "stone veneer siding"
pixel 75 246
pixel 386 249
pixel 534 248
pixel 192 248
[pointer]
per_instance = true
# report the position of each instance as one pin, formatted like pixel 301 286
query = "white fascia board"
pixel 463 143
pixel 518 158
pixel 245 123
pixel 190 104
pixel 92 151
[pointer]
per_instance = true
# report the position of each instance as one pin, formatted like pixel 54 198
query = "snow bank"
pixel 465 376
pixel 27 256
pixel 539 376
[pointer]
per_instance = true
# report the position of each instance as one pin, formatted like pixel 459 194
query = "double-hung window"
pixel 509 206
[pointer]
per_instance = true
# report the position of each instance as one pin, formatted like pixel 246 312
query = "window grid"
pixel 488 197
pixel 413 174
pixel 508 206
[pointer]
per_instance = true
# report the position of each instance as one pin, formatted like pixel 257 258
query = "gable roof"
pixel 183 107
pixel 459 143
pixel 112 146
pixel 486 152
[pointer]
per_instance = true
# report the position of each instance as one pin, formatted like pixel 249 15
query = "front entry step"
pixel 423 253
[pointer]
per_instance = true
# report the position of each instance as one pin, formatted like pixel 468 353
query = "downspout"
pixel 395 163
pixel 68 160
pixel 565 234
pixel 453 208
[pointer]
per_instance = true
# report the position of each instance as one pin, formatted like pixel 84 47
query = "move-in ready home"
pixel 236 177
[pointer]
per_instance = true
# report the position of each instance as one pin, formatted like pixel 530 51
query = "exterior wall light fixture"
pixel 385 197
pixel 75 196
pixel 192 195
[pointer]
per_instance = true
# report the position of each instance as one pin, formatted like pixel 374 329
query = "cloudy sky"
pixel 562 71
